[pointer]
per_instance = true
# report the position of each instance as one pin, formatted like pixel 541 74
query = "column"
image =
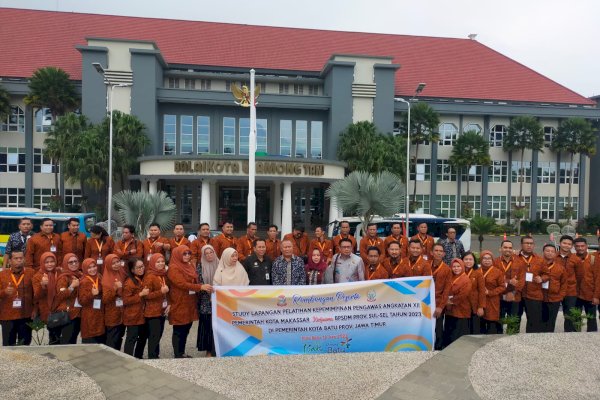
pixel 144 186
pixel 286 209
pixel 214 209
pixel 205 203
pixel 29 128
pixel 152 186
pixel 333 210
pixel 277 204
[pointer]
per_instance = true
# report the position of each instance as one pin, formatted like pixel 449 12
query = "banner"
pixel 383 315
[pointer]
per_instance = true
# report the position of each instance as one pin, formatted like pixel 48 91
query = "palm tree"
pixel 365 195
pixel 524 133
pixel 574 136
pixel 4 104
pixel 470 149
pixel 424 122
pixel 141 209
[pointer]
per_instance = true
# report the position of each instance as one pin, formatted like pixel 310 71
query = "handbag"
pixel 58 319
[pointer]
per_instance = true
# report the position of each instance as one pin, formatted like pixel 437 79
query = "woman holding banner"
pixel 458 307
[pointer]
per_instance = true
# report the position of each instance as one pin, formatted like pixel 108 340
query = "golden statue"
pixel 243 95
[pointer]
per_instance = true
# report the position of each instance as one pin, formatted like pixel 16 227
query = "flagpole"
pixel 252 154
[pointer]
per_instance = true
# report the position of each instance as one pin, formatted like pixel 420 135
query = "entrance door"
pixel 233 206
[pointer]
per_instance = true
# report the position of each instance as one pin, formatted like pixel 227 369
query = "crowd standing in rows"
pixel 122 293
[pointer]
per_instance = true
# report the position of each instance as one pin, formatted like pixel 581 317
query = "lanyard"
pixel 506 266
pixel 488 271
pixel 179 243
pixel 422 240
pixel 412 266
pixel 230 240
pixel 527 259
pixel 550 267
pixel 94 283
pixel 99 246
pixel 126 245
pixel 152 243
pixel 321 246
pixel 469 273
pixel 458 277
pixel 17 283
pixel 51 237
pixel 372 242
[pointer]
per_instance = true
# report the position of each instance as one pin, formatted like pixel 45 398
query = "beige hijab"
pixel 227 275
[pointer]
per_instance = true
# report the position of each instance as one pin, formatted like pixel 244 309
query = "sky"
pixel 559 39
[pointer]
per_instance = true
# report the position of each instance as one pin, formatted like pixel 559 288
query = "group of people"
pixel 121 293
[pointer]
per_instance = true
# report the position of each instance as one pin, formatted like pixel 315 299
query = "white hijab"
pixel 227 275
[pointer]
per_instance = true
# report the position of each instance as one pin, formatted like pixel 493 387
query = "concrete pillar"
pixel 286 209
pixel 205 203
pixel 277 204
pixel 333 210
pixel 144 186
pixel 214 203
pixel 153 186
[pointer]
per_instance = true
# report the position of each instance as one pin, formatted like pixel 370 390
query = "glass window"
pixel 173 83
pixel 473 175
pixel 546 172
pixel 472 127
pixel 498 171
pixel 185 208
pixel 205 84
pixel 12 159
pixel 313 90
pixel 516 171
pixel 545 207
pixel 298 89
pixel 284 88
pixel 203 135
pixel 448 134
pixel 261 135
pixel 169 133
pixel 497 135
pixel 301 138
pixel 186 139
pixel 474 202
pixel 423 200
pixel 526 202
pixel 72 197
pixel 562 201
pixel 565 172
pixel 496 207
pixel 42 163
pixel 43 120
pixel 15 121
pixel 423 170
pixel 447 205
pixel 190 83
pixel 12 197
pixel 285 138
pixel 41 197
pixel 244 136
pixel 228 135
pixel 316 139
pixel 445 172
pixel 549 132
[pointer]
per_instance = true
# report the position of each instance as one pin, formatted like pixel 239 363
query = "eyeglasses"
pixel 187 253
pixel 139 267
pixel 73 262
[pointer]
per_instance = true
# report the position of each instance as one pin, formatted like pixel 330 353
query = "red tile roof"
pixel 452 68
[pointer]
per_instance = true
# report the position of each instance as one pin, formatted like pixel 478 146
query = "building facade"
pixel 313 85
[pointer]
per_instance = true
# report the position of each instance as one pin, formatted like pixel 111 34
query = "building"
pixel 314 83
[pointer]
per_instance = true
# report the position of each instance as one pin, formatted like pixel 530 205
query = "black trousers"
pixel 454 328
pixel 54 335
pixel 490 327
pixel 590 311
pixel 69 332
pixel 16 332
pixel 135 341
pixel 114 336
pixel 179 339
pixel 95 340
pixel 154 327
pixel 568 303
pixel 439 332
pixel 549 313
pixel 475 325
pixel 533 308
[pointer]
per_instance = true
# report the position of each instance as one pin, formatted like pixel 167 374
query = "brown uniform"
pixel 273 248
pixel 133 304
pixel 300 245
pixel 588 278
pixel 377 272
pixel 511 271
pixel 155 300
pixel 389 265
pixel 131 248
pixel 442 276
pixel 92 320
pixel 150 247
pixel 113 314
pixel 182 241
pixel 460 290
pixel 9 311
pixel 66 299
pixel 427 241
pixel 73 243
pixel 98 250
pixel 326 247
pixel 222 242
pixel 494 283
pixel 407 268
pixel 38 245
pixel 478 297
pixel 367 242
pixel 557 279
pixel 40 293
pixel 336 242
pixel 400 239
pixel 571 263
pixel 182 297
pixel 244 246
pixel 196 247
pixel 533 290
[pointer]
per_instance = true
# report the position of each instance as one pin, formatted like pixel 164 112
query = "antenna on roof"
pixel 472 36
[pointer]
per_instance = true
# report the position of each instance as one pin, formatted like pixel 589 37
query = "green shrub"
pixel 482 225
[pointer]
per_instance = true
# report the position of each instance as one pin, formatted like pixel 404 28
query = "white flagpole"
pixel 252 154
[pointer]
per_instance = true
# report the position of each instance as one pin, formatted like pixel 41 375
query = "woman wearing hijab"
pixel 229 271
pixel 206 271
pixel 156 302
pixel 90 298
pixel 98 246
pixel 134 293
pixel 183 286
pixel 477 291
pixel 44 291
pixel 67 291
pixel 458 307
pixel 112 298
pixel 315 267
pixel 494 287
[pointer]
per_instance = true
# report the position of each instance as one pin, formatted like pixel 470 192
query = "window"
pixel 565 172
pixel 12 159
pixel 423 200
pixel 72 197
pixel 517 172
pixel 445 172
pixel 472 127
pixel 549 132
pixel 190 84
pixel 316 139
pixel 228 135
pixel 496 207
pixel 423 170
pixel 546 172
pixel 313 90
pixel 205 84
pixel 15 121
pixel 497 135
pixel 41 197
pixel 173 83
pixel 545 207
pixel 42 163
pixel 526 202
pixel 474 203
pixel 447 205
pixel 562 201
pixel 203 135
pixel 185 208
pixel 448 134
pixel 12 197
pixel 169 134
pixel 301 138
pixel 298 89
pixel 228 85
pixel 473 175
pixel 186 131
pixel 261 135
pixel 284 88
pixel 43 120
pixel 285 138
pixel 498 171
pixel 397 128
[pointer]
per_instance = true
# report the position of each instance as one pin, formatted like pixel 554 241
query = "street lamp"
pixel 109 105
pixel 419 89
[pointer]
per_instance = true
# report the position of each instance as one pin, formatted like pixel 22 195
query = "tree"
pixel 141 209
pixel 424 122
pixel 51 87
pixel 365 195
pixel 574 136
pixel 363 148
pixel 524 133
pixel 4 104
pixel 470 149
